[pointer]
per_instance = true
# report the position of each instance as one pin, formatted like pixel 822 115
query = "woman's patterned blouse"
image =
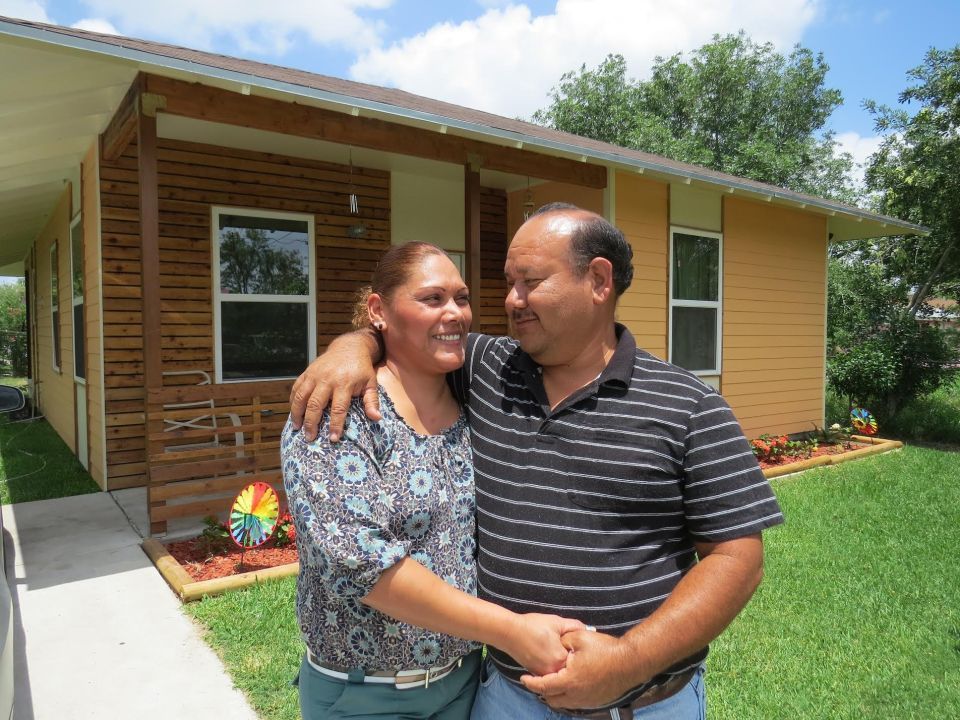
pixel 382 493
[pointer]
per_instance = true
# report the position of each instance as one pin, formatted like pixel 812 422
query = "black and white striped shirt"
pixel 591 510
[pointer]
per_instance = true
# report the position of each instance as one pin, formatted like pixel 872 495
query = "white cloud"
pixel 96 25
pixel 506 60
pixel 25 10
pixel 861 148
pixel 243 27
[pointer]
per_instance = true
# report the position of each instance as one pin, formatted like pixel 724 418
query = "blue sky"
pixel 504 56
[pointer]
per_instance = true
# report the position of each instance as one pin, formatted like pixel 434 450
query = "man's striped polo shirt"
pixel 591 510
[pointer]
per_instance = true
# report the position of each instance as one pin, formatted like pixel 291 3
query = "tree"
pixel 13 328
pixel 916 176
pixel 735 106
pixel 879 355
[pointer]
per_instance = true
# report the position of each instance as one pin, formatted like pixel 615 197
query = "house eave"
pixel 864 223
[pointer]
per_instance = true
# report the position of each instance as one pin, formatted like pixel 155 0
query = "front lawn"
pixel 35 464
pixel 857 616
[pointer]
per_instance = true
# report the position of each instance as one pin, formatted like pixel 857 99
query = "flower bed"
pixel 857 447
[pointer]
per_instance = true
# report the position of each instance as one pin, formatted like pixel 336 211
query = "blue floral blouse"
pixel 382 493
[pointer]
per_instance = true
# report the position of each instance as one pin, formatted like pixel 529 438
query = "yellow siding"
pixel 774 295
pixel 642 209
pixel 55 394
pixel 92 311
pixel 587 198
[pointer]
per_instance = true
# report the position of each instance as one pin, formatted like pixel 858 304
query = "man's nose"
pixel 516 297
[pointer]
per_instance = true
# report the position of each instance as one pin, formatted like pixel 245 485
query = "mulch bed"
pixel 195 559
pixel 822 450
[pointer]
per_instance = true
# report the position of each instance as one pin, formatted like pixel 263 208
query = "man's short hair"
pixel 593 238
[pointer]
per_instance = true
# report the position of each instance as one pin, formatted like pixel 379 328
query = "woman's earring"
pixel 378 326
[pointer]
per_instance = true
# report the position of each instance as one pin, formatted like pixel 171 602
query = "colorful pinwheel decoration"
pixel 863 422
pixel 254 515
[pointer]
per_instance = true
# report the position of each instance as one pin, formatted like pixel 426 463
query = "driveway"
pixel 97 632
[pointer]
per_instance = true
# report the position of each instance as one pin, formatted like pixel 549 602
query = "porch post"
pixel 471 214
pixel 150 281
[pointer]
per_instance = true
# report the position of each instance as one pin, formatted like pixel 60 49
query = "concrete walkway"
pixel 97 632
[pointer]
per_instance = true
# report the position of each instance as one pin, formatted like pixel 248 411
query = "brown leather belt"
pixel 649 697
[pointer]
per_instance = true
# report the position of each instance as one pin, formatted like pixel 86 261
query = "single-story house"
pixel 193 227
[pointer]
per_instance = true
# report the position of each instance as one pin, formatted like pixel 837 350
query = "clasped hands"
pixel 579 668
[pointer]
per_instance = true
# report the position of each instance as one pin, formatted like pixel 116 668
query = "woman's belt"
pixel 401 679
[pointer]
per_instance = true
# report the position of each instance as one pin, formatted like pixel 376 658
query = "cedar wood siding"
pixel 774 295
pixel 90 209
pixel 642 213
pixel 493 254
pixel 192 178
pixel 55 389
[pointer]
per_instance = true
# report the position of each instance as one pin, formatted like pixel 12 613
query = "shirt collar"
pixel 619 370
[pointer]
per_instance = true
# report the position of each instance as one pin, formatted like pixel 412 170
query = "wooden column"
pixel 471 214
pixel 150 279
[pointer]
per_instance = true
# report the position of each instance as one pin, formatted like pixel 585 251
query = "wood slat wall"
pixel 493 254
pixel 774 295
pixel 192 178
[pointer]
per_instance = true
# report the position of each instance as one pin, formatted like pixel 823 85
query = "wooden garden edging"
pixel 877 446
pixel 189 589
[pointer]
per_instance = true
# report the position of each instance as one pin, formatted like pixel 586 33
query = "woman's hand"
pixel 534 641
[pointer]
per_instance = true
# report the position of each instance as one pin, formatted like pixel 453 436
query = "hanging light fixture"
pixel 528 202
pixel 357 229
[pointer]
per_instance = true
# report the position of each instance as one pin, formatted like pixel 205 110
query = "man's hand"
pixel 343 372
pixel 535 641
pixel 598 671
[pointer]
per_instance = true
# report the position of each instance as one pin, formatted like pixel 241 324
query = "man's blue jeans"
pixel 498 698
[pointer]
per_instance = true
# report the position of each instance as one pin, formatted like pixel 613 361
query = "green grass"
pixel 35 464
pixel 858 615
pixel 19 382
pixel 254 631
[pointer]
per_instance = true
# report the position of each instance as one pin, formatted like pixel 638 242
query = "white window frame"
pixel 717 304
pixel 74 301
pixel 218 297
pixel 55 319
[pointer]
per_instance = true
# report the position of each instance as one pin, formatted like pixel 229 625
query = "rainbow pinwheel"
pixel 863 422
pixel 253 517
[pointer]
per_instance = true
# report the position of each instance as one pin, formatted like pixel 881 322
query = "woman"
pixel 385 523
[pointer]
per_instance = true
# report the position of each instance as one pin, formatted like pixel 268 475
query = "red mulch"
pixel 822 450
pixel 200 566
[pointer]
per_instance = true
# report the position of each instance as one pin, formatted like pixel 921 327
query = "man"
pixel 612 487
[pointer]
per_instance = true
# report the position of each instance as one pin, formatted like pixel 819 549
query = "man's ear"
pixel 600 272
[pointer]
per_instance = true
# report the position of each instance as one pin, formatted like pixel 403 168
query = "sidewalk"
pixel 97 632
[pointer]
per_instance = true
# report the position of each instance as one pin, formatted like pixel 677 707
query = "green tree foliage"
pixel 916 176
pixel 734 106
pixel 13 328
pixel 879 355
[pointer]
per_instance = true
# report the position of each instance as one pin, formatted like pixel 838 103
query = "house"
pixel 192 228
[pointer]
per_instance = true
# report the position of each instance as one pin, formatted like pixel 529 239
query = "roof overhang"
pixel 68 87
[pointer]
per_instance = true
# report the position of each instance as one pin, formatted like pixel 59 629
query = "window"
pixel 695 291
pixel 263 272
pixel 76 271
pixel 55 304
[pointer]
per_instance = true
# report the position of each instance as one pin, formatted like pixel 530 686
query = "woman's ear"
pixel 375 311
pixel 600 271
